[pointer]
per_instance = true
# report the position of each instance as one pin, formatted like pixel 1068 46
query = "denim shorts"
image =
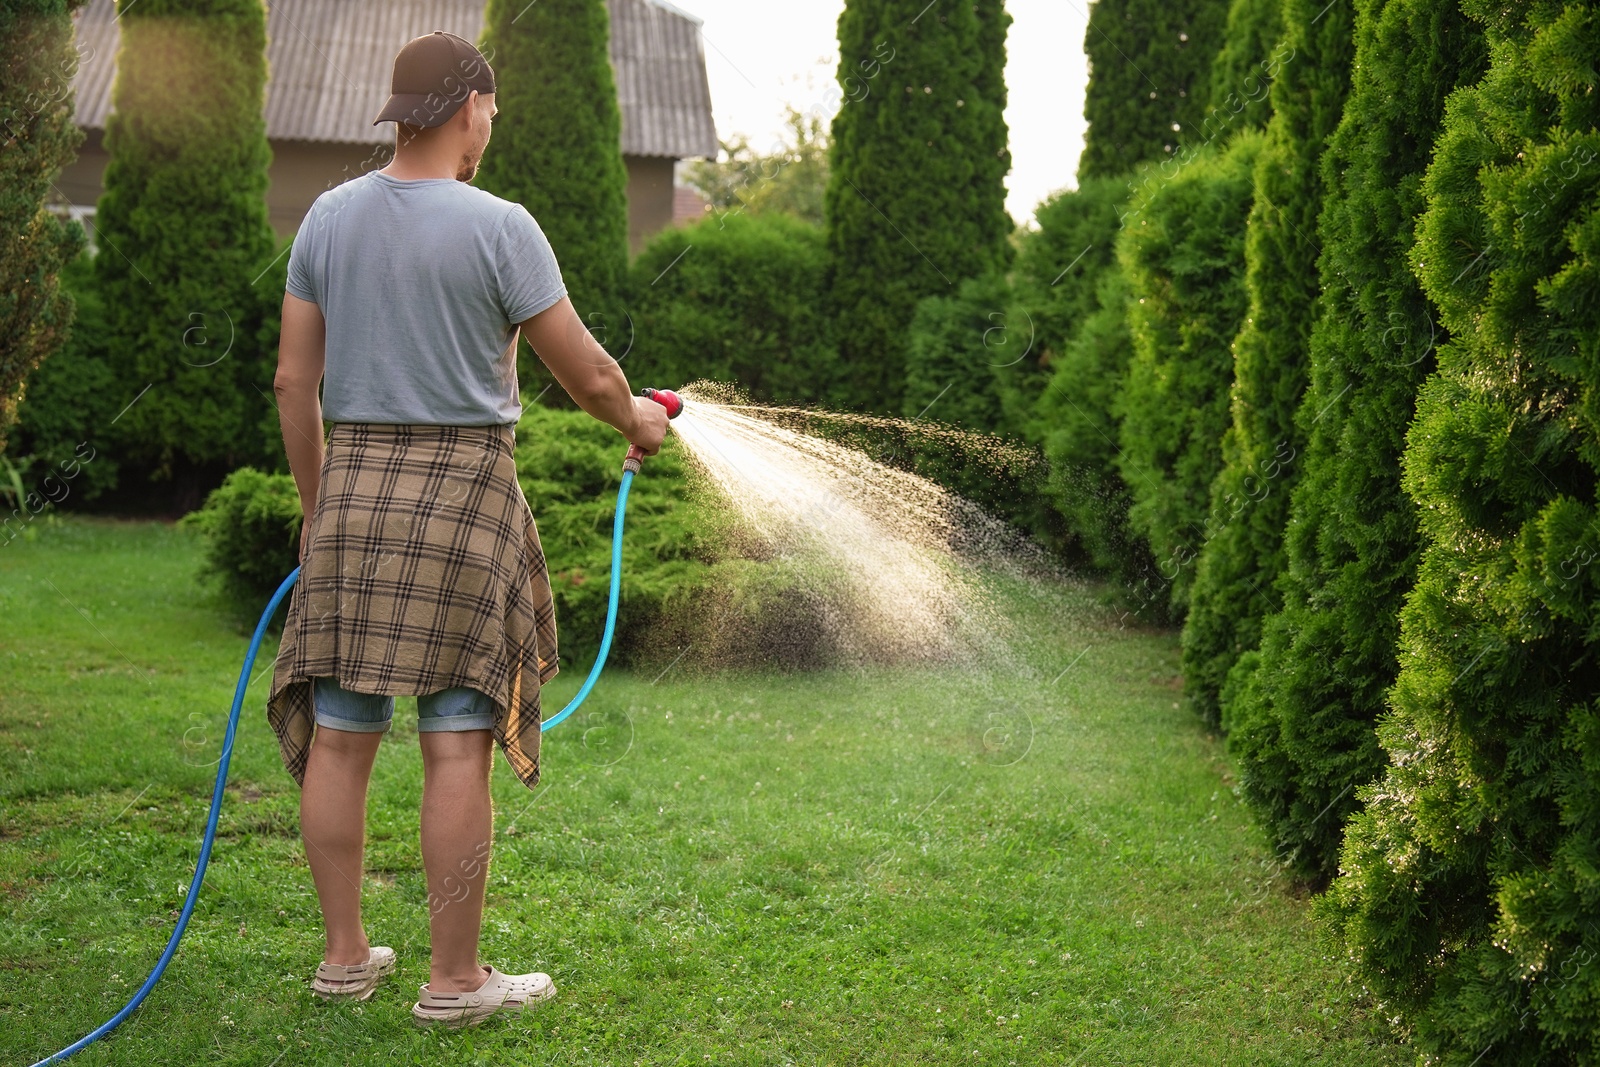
pixel 461 708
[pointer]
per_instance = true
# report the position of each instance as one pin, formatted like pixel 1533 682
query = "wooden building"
pixel 329 63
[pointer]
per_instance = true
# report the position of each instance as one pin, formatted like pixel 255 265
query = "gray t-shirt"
pixel 422 283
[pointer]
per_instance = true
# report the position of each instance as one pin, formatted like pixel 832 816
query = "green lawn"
pixel 899 867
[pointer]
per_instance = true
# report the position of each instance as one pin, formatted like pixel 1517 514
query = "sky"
pixel 762 55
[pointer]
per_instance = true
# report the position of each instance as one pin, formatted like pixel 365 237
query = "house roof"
pixel 329 61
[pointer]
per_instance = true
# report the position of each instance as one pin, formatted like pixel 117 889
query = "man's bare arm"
pixel 302 349
pixel 591 377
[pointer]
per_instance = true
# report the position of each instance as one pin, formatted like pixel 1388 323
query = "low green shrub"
pixel 695 584
pixel 570 466
pixel 251 529
pixel 690 579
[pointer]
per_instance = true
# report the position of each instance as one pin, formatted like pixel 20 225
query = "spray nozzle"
pixel 667 399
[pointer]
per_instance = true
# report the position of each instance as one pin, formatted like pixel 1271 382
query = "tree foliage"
pixel 183 237
pixel 1301 726
pixel 1149 68
pixel 915 200
pixel 1183 255
pixel 955 347
pixel 1241 559
pixel 1468 892
pixel 1239 91
pixel 736 299
pixel 71 397
pixel 37 139
pixel 788 177
pixel 1070 294
pixel 959 347
pixel 557 147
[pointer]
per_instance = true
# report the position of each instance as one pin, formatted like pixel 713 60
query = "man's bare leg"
pixel 457 831
pixel 333 825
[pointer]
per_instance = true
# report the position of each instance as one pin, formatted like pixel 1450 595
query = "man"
pixel 421 566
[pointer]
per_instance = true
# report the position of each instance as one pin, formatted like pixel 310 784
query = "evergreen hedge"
pixel 1239 90
pixel 915 201
pixel 1069 292
pixel 1469 892
pixel 1301 727
pixel 557 151
pixel 1183 254
pixel 739 298
pixel 1238 564
pixel 570 465
pixel 1055 283
pixel 183 235
pixel 957 348
pixel 1149 69
pixel 249 528
pixel 37 62
pixel 72 396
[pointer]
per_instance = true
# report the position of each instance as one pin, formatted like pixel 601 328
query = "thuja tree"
pixel 37 62
pixel 1301 727
pixel 957 347
pixel 557 149
pixel 1053 282
pixel 1243 555
pixel 1467 891
pixel 1149 69
pixel 1183 253
pixel 182 234
pixel 915 201
pixel 1070 296
pixel 735 299
pixel 1239 85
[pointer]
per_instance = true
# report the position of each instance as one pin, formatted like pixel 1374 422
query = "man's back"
pixel 421 283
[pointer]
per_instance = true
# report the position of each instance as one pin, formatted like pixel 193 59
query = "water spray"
pixel 631 465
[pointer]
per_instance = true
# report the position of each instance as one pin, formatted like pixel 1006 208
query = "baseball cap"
pixel 432 76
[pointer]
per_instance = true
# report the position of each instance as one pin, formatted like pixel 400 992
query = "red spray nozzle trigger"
pixel 667 399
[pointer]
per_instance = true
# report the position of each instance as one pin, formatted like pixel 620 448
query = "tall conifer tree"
pixel 182 234
pixel 557 149
pixel 1242 554
pixel 915 202
pixel 1302 725
pixel 39 138
pixel 1071 298
pixel 1182 254
pixel 1468 891
pixel 1240 89
pixel 1149 78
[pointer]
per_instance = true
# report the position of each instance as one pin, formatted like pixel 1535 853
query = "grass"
pixel 896 867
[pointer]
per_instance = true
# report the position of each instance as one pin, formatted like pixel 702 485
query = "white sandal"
pixel 357 981
pixel 498 992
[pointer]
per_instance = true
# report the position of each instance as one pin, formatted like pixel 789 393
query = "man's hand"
pixel 650 427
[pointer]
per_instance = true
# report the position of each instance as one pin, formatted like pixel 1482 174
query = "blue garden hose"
pixel 227 754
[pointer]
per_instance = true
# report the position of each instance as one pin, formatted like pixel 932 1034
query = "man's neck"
pixel 407 171
pixel 417 161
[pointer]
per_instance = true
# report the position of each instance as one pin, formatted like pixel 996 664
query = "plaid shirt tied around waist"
pixel 423 571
